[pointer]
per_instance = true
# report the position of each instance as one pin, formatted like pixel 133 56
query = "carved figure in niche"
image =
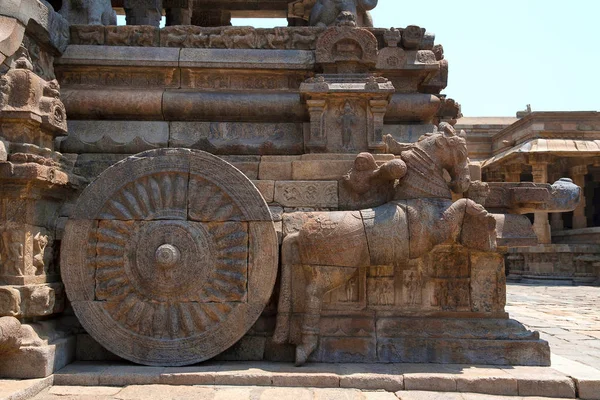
pixel 13 252
pixel 326 12
pixel 347 120
pixel 39 246
pixel 367 185
pixel 88 12
pixel 413 282
pixel 331 245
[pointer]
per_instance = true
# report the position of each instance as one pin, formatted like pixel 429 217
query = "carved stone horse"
pixel 331 245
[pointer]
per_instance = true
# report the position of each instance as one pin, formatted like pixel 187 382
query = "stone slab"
pixel 412 378
pixel 250 59
pixel 23 389
pixel 119 55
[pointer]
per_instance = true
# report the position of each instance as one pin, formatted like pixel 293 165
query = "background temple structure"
pixel 541 147
pixel 193 155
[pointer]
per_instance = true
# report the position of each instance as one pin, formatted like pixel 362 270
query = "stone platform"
pixel 566 380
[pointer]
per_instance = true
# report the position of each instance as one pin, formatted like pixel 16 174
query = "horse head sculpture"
pixel 427 160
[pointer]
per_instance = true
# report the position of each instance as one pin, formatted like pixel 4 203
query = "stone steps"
pixel 573 380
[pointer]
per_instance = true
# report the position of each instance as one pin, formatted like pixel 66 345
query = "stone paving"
pixel 568 317
pixel 166 392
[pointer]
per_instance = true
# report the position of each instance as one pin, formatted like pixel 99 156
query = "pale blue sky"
pixel 506 54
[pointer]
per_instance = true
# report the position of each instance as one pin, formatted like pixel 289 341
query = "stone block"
pixel 39 361
pixel 278 168
pixel 196 375
pixel 538 381
pixel 320 170
pixel 299 379
pixel 115 137
pixel 496 385
pixel 436 382
pixel 266 189
pixel 238 138
pixel 119 55
pixel 250 58
pixel 247 164
pixel 249 377
pixel 366 381
pixel 80 374
pixel 588 389
pixel 125 375
pixel 306 193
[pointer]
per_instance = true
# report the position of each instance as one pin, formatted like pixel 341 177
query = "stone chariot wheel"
pixel 169 257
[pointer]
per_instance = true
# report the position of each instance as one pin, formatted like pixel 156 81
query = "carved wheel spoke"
pixel 173 272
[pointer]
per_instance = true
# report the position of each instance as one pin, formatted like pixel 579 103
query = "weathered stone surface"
pixel 23 389
pixel 238 138
pixel 89 12
pixel 306 193
pixel 124 137
pixel 277 168
pixel 10 334
pixel 147 225
pixel 113 104
pixel 326 12
pixel 272 107
pixel 132 35
pixel 252 59
pixel 266 188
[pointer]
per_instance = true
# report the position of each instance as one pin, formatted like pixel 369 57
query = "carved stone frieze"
pixel 297 38
pixel 187 219
pixel 26 98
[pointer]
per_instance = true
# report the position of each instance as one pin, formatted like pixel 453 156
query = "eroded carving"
pixel 421 216
pixel 185 219
pixel 88 12
pixel 327 12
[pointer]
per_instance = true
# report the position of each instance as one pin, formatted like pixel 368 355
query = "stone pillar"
pixel 178 12
pixel 541 226
pixel 316 139
pixel 512 173
pixel 143 12
pixel 578 174
pixel 377 109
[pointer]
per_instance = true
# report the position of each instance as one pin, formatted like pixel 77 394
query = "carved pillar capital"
pixel 579 170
